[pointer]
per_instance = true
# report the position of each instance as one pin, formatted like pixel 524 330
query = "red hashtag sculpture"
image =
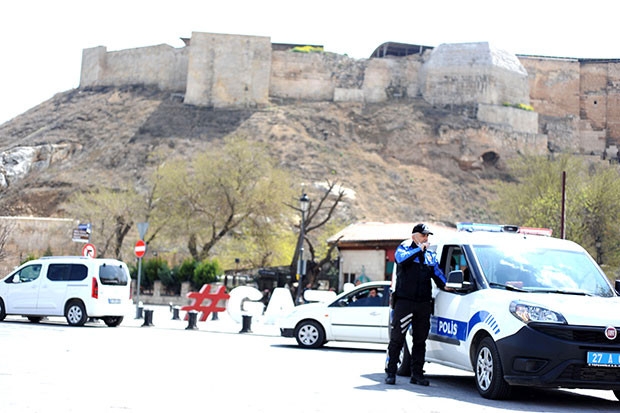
pixel 205 295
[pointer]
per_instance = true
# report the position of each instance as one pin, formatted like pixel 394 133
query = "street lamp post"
pixel 599 252
pixel 304 203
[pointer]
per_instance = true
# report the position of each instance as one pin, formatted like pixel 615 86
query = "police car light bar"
pixel 471 227
pixel 474 227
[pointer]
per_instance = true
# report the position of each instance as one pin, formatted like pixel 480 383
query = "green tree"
pixel 257 245
pixel 219 193
pixel 206 272
pixel 185 271
pixel 592 200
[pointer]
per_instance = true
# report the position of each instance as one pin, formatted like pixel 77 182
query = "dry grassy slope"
pixel 389 154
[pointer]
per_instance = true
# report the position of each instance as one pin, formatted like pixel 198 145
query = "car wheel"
pixel 2 310
pixel 34 319
pixel 112 321
pixel 310 334
pixel 75 313
pixel 489 373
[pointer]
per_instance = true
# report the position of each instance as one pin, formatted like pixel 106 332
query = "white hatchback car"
pixel 77 288
pixel 361 314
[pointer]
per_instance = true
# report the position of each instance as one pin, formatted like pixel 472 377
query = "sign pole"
pixel 140 250
pixel 138 289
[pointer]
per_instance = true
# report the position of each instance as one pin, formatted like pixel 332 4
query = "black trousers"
pixel 404 314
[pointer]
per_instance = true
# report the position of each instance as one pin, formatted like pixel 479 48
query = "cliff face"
pixel 403 160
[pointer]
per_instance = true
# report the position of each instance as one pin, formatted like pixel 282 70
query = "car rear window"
pixel 67 272
pixel 113 275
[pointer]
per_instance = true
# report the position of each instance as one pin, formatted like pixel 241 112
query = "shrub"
pixel 206 272
pixel 153 270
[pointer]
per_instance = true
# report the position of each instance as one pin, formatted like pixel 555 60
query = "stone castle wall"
pixel 577 102
pixel 163 66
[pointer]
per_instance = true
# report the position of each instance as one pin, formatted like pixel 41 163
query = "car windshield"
pixel 542 270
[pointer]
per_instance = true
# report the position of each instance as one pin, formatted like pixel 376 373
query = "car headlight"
pixel 532 312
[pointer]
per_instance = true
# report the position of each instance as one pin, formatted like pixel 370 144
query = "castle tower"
pixel 471 73
pixel 491 80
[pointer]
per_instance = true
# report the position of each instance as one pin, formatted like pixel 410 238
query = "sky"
pixel 42 40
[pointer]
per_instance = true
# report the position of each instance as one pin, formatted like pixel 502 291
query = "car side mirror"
pixel 455 280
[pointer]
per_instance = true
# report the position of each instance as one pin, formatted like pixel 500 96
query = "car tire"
pixel 2 310
pixel 112 321
pixel 489 373
pixel 75 313
pixel 310 334
pixel 35 319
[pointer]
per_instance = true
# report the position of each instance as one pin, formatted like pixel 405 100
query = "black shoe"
pixel 390 379
pixel 418 378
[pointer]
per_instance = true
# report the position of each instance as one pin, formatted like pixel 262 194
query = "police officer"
pixel 412 302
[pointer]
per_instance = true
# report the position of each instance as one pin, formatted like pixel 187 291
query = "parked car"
pixel 353 315
pixel 77 288
pixel 529 310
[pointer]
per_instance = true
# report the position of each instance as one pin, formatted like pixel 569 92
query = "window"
pixel 370 297
pixel 26 274
pixel 113 275
pixel 457 261
pixel 67 272
pixel 454 259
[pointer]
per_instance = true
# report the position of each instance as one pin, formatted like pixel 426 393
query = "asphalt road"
pixel 51 367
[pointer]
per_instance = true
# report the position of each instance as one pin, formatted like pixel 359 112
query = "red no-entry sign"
pixel 140 249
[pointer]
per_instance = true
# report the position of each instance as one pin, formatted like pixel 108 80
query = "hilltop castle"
pixel 528 103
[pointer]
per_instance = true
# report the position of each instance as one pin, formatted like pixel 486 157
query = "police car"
pixel 527 310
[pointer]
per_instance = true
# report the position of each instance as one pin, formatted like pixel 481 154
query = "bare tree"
pixel 316 217
pixel 6 228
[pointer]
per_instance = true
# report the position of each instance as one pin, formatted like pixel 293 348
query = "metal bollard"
pixel 139 311
pixel 175 312
pixel 148 318
pixel 214 316
pixel 192 317
pixel 246 325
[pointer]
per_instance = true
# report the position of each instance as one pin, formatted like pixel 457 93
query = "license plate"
pixel 601 359
pixel 114 300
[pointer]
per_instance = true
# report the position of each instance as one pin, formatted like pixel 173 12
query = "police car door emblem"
pixel 611 333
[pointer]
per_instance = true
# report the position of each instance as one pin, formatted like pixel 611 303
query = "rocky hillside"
pixel 389 155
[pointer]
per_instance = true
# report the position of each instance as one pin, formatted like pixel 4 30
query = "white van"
pixel 528 310
pixel 77 288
